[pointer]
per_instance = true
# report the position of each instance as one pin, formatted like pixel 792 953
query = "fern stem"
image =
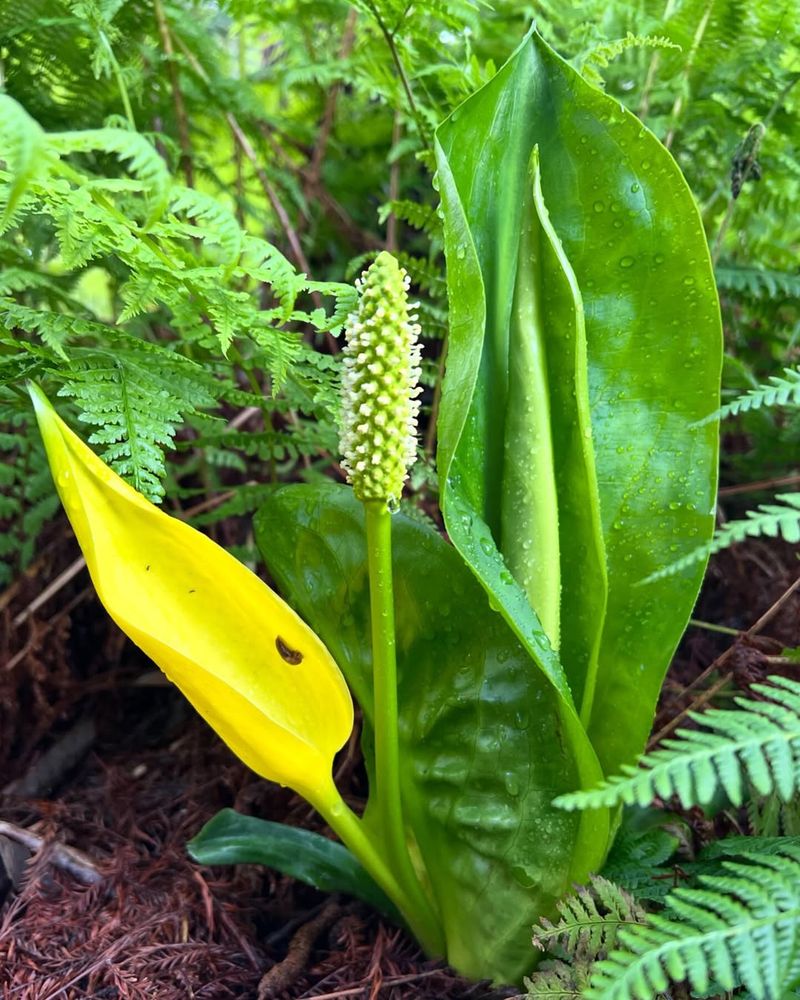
pixel 181 119
pixel 123 90
pixel 652 69
pixel 398 62
pixel 761 484
pixel 433 418
pixel 677 107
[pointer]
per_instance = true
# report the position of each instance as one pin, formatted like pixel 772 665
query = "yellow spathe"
pixel 249 665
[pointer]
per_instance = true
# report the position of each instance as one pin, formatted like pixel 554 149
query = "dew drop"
pixel 627 262
pixel 599 206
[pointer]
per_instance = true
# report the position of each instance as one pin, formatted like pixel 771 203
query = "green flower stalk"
pixel 378 444
pixel 379 389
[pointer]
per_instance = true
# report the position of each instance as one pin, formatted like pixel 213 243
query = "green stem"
pixel 385 716
pixel 350 830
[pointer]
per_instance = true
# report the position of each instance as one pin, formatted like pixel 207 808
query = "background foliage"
pixel 200 158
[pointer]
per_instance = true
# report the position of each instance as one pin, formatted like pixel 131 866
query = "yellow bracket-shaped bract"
pixel 243 658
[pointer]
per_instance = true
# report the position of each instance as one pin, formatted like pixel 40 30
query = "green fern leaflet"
pixel 742 929
pixel 779 391
pixel 757 747
pixel 590 920
pixel 769 520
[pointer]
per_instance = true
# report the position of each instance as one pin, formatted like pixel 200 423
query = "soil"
pixel 99 755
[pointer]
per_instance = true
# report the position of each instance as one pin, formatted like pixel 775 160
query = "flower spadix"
pixel 379 386
pixel 242 657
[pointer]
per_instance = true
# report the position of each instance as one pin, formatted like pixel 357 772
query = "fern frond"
pixel 743 847
pixel 21 144
pixel 590 920
pixel 136 396
pixel 17 279
pixel 758 282
pixel 27 497
pixel 756 747
pixel 130 147
pixel 345 298
pixel 557 981
pixel 603 54
pixel 420 216
pixel 772 818
pixel 222 225
pixel 780 391
pixel 645 842
pixel 423 273
pixel 769 520
pixel 245 500
pixel 741 928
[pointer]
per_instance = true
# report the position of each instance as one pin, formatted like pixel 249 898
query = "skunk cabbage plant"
pixel 521 659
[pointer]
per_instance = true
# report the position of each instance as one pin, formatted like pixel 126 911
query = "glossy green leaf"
pixel 230 838
pixel 486 742
pixel 583 320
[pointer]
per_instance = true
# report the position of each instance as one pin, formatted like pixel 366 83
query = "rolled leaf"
pixel 590 301
pixel 249 665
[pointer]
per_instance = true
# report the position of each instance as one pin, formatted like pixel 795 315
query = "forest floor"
pixel 105 773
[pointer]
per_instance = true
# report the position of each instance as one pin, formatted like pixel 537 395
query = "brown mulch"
pixel 98 755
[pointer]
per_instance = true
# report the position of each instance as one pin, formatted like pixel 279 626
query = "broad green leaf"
pixel 485 741
pixel 611 244
pixel 233 839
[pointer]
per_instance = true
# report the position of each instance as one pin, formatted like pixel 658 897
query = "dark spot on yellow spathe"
pixel 192 591
pixel 293 656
